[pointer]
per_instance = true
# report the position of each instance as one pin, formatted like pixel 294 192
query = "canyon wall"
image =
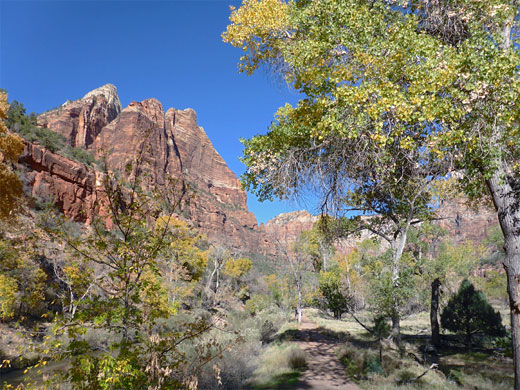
pixel 172 145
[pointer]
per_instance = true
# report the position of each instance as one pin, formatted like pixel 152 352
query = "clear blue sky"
pixel 51 51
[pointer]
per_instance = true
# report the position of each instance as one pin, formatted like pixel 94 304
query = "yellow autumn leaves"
pixel 255 26
pixel 11 146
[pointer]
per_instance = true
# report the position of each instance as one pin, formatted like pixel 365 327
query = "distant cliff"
pixel 175 146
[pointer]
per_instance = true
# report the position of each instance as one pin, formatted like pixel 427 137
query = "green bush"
pixel 505 344
pixel 468 312
pixel 333 292
pixel 80 155
pixel 8 291
pixel 373 365
pixel 381 326
pixel 256 303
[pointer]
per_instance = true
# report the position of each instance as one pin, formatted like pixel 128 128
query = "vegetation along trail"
pixel 325 371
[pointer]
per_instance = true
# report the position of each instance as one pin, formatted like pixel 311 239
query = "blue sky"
pixel 51 51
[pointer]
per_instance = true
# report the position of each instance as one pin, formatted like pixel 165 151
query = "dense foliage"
pixel 468 312
pixel 336 298
pixel 133 270
pixel 396 95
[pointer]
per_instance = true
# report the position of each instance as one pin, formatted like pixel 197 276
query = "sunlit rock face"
pixel 173 146
pixel 80 121
pixel 69 184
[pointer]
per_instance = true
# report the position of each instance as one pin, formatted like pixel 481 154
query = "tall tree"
pixel 124 260
pixel 363 136
pixel 445 71
pixel 299 262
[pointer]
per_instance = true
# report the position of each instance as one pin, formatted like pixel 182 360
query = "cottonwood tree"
pixel 335 292
pixel 318 247
pixel 185 264
pixel 363 137
pixel 217 255
pixel 237 269
pixel 299 263
pixel 452 66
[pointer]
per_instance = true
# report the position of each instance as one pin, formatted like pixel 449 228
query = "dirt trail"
pixel 324 372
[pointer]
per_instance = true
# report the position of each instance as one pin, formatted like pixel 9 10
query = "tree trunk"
pixel 300 300
pixel 504 189
pixel 468 334
pixel 434 312
pixel 396 329
pixel 217 283
pixel 398 248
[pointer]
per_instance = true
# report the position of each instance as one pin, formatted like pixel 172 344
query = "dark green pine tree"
pixel 468 312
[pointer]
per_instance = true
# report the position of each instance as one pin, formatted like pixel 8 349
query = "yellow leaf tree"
pixel 11 146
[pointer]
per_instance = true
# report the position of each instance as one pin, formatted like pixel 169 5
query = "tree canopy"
pixel 396 94
pixel 11 146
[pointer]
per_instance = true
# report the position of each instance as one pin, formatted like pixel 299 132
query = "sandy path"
pixel 324 372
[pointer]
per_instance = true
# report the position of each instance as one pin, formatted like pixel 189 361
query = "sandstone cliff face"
pixel 140 128
pixel 465 223
pixel 80 121
pixel 172 145
pixel 286 227
pixel 71 185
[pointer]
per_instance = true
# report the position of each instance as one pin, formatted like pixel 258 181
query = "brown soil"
pixel 325 371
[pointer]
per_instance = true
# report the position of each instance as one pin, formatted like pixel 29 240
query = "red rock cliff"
pixel 174 146
pixel 80 121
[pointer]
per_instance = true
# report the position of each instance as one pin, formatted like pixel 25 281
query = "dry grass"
pixel 415 324
pixel 278 361
pixel 347 324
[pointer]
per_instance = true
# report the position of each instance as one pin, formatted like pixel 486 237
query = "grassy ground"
pixel 458 366
pixel 280 366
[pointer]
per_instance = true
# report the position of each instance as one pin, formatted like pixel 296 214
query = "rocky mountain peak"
pixel 109 91
pixel 80 121
pixel 174 145
pixel 302 217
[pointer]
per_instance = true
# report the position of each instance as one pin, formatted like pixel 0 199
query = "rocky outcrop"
pixel 464 222
pixel 140 129
pixel 286 227
pixel 67 183
pixel 202 163
pixel 171 145
pixel 80 121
